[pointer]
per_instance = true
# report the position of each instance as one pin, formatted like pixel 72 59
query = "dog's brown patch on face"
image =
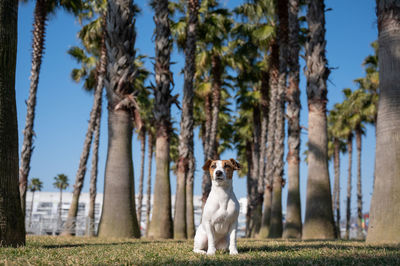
pixel 228 168
pixel 213 165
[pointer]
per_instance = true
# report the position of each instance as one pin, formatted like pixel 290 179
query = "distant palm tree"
pixel 12 231
pixel 35 185
pixel 61 182
pixel 43 9
pixel 94 81
pixel 318 222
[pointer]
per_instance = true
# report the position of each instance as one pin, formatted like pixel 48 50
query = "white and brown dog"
pixel 220 214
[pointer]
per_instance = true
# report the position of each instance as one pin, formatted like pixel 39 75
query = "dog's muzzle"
pixel 219 175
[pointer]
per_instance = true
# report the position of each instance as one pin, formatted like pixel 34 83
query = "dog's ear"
pixel 206 166
pixel 235 164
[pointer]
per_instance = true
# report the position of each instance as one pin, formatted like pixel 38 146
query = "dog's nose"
pixel 218 173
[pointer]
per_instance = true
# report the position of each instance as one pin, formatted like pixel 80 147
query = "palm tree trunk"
pixel 264 130
pixel 206 181
pixel 336 200
pixel 93 178
pixel 142 136
pixel 118 218
pixel 186 157
pixel 12 218
pixel 161 225
pixel 348 198
pixel 254 206
pixel 319 217
pixel 190 227
pixel 276 226
pixel 216 98
pixel 293 225
pixel 59 210
pixel 80 175
pixel 273 81
pixel 39 30
pixel 359 190
pixel 249 157
pixel 385 204
pixel 148 191
pixel 95 151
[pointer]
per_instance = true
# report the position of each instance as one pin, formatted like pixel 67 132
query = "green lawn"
pixel 81 250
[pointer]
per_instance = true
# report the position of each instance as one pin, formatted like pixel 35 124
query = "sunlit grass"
pixel 81 250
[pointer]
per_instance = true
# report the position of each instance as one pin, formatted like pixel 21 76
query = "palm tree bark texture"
pixel 349 178
pixel 293 225
pixel 385 204
pixel 319 217
pixel 161 225
pixel 276 227
pixel 336 198
pixel 142 137
pixel 269 169
pixel 150 145
pixel 39 30
pixel 186 157
pixel 80 175
pixel 118 217
pixel 12 222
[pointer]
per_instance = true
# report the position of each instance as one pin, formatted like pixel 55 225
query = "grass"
pixel 44 250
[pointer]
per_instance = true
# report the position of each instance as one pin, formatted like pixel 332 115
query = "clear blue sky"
pixel 63 107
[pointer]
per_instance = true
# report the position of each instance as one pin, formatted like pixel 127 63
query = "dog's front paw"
pixel 233 251
pixel 211 251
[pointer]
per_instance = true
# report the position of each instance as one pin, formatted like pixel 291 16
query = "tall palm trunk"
pixel 348 198
pixel 148 191
pixel 384 220
pixel 39 30
pixel 12 220
pixel 69 228
pixel 93 178
pixel 359 189
pixel 264 130
pixel 60 209
pixel 206 181
pixel 186 157
pixel 142 136
pixel 254 204
pixel 211 146
pixel 273 84
pixel 319 217
pixel 293 225
pixel 161 223
pixel 336 198
pixel 276 227
pixel 249 157
pixel 190 227
pixel 118 218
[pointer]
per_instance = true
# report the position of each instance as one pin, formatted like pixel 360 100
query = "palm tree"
pixel 13 224
pixel 293 225
pixel 96 108
pixel 384 220
pixel 336 133
pixel 319 217
pixel 60 182
pixel 118 217
pixel 161 223
pixel 186 157
pixel 43 9
pixel 150 145
pixel 35 185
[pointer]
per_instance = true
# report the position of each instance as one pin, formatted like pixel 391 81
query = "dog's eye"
pixel 227 166
pixel 213 166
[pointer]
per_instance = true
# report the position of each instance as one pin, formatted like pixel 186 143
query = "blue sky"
pixel 63 107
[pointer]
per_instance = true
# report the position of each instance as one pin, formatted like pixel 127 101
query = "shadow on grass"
pixel 54 246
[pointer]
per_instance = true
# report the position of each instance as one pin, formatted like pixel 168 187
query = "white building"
pixel 44 218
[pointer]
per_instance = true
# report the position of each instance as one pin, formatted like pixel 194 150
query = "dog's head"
pixel 221 170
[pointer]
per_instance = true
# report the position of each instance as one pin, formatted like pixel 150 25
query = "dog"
pixel 220 214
